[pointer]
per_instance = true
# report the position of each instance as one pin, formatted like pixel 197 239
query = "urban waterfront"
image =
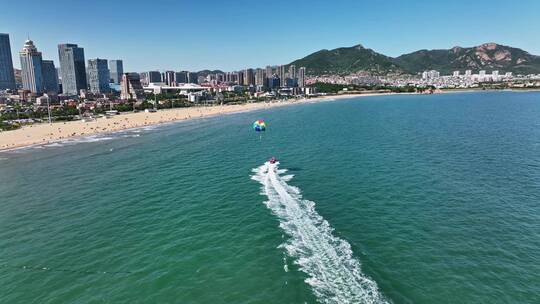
pixel 436 195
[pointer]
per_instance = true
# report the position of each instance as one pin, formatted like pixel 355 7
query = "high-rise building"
pixel 193 77
pixel 116 69
pixel 72 67
pixel 282 74
pixel 131 87
pixel 181 77
pixel 50 76
pixel 456 73
pixel 7 75
pixel 32 77
pixel 259 78
pixel 153 76
pixel 292 71
pixel 249 77
pixel 269 71
pixel 273 82
pixel 240 77
pixel 169 78
pixel 302 77
pixel 98 76
pixel 468 73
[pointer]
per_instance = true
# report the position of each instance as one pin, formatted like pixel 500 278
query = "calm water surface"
pixel 400 199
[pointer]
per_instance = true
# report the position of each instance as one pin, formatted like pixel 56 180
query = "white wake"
pixel 333 273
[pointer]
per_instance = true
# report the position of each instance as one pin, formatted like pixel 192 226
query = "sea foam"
pixel 333 273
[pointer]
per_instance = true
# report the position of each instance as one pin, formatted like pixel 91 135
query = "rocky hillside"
pixel 489 56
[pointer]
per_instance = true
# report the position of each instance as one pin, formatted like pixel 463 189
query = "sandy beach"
pixel 45 133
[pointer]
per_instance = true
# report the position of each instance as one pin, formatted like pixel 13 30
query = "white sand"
pixel 45 133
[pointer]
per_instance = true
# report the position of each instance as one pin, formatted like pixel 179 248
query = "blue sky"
pixel 232 35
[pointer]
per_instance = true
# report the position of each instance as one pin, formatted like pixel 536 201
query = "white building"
pixel 495 75
pixel 183 89
pixel 430 74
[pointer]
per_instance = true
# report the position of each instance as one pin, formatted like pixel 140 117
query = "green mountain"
pixel 489 56
pixel 347 60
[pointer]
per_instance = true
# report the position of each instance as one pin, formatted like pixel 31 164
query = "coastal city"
pixel 332 152
pixel 82 89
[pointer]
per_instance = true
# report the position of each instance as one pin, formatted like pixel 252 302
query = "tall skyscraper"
pixel 292 71
pixel 169 78
pixel 7 75
pixel 240 77
pixel 32 77
pixel 98 76
pixel 181 77
pixel 50 76
pixel 153 76
pixel 131 87
pixel 282 75
pixel 259 77
pixel 116 69
pixel 193 77
pixel 269 71
pixel 72 67
pixel 302 77
pixel 249 77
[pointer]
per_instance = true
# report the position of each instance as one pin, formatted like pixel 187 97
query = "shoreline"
pixel 44 133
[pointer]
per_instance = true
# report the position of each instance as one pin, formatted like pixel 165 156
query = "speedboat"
pixel 272 160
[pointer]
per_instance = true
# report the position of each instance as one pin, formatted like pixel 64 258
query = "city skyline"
pixel 394 29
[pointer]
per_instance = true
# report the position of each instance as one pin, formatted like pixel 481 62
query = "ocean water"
pixel 388 199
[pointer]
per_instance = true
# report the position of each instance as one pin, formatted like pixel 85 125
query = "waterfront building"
pixel 430 74
pixel 131 87
pixel 292 71
pixel 32 77
pixel 240 78
pixel 302 77
pixel 259 78
pixel 482 73
pixel 98 76
pixel 468 73
pixel 50 76
pixel 153 76
pixel 269 71
pixel 281 74
pixel 249 77
pixel 169 78
pixel 193 77
pixel 181 77
pixel 7 75
pixel 456 73
pixel 116 69
pixel 72 67
pixel 273 82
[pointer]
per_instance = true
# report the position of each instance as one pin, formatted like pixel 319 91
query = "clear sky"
pixel 230 35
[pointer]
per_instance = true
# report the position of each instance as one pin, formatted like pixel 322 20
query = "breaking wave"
pixel 333 273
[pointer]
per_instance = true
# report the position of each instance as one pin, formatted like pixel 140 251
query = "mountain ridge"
pixel 358 59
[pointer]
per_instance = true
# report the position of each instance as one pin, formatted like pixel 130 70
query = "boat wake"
pixel 333 273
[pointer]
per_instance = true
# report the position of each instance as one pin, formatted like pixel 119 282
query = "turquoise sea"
pixel 387 199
